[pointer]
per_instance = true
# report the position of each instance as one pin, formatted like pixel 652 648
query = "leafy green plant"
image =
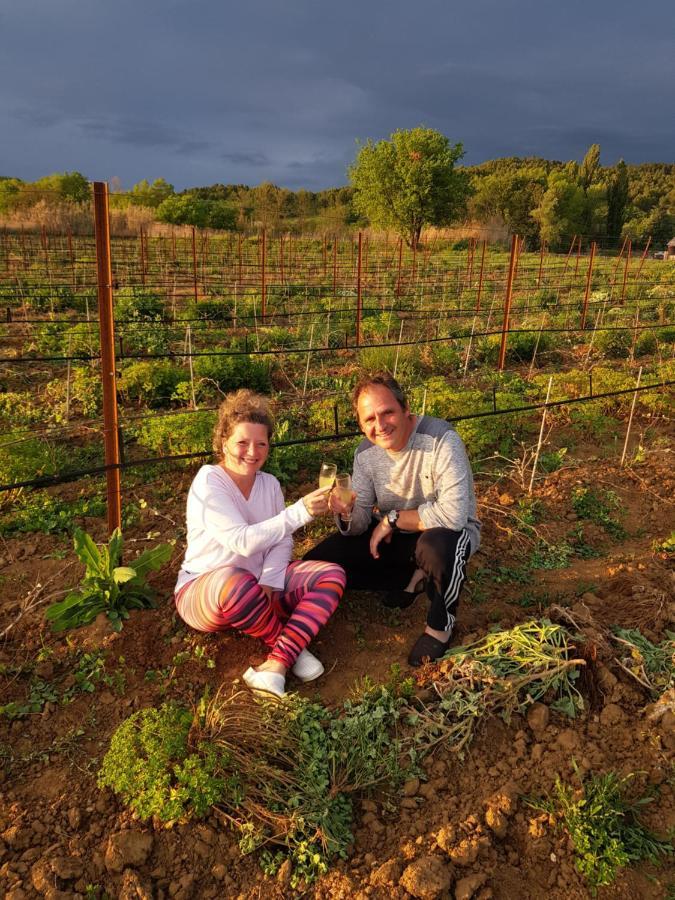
pixel 49 514
pixel 653 665
pixel 599 508
pixel 107 587
pixel 150 765
pixel 153 383
pixel 604 827
pixel 667 545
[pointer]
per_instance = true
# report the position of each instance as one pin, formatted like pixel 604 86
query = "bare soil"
pixel 464 832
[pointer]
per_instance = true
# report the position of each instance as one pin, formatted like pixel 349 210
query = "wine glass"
pixel 344 492
pixel 327 475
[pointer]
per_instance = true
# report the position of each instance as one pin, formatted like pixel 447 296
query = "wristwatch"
pixel 392 518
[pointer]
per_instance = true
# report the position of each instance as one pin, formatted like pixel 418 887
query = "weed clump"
pixel 150 766
pixel 604 827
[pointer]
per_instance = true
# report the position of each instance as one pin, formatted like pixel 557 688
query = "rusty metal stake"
pixel 358 295
pixel 588 286
pixel 107 336
pixel 507 301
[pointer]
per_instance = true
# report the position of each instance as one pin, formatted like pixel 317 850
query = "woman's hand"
pixel 316 503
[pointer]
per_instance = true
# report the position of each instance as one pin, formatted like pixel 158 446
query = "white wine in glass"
pixel 327 475
pixel 344 492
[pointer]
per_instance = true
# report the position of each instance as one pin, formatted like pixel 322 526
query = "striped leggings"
pixel 231 597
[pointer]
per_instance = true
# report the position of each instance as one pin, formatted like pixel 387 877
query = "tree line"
pixel 412 180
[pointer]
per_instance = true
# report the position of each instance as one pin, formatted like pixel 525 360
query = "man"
pixel 412 524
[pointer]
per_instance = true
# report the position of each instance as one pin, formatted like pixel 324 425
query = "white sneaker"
pixel 307 667
pixel 265 682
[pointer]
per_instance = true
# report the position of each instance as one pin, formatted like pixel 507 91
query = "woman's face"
pixel 246 449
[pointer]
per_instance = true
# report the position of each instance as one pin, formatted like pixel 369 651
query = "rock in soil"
pixel 537 718
pixel 127 848
pixel 467 887
pixel 427 877
pixel 388 873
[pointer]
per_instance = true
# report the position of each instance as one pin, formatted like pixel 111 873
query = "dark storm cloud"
pixel 253 158
pixel 199 91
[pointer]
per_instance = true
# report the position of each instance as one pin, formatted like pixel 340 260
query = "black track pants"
pixel 442 554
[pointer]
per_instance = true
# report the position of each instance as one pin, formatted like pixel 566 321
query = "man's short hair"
pixel 382 379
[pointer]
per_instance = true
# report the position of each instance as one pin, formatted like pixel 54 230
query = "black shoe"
pixel 427 649
pixel 401 599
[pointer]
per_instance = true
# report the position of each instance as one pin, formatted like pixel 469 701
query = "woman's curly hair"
pixel 241 406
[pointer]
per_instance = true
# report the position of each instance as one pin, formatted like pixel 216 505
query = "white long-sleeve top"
pixel 226 529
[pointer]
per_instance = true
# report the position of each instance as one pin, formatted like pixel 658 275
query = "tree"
pixel 617 199
pixel 511 196
pixel 152 195
pixel 409 181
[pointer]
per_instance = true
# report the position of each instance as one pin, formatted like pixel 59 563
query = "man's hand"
pixel 339 507
pixel 382 532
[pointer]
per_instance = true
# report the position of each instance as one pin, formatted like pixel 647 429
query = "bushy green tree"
pixel 152 195
pixel 409 181
pixel 617 199
pixel 510 196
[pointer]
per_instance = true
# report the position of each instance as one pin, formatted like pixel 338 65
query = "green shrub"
pixel 138 304
pixel 227 373
pixel 17 408
pixel 48 514
pixel 150 766
pixel 177 433
pixel 646 343
pixel 520 347
pixel 604 827
pixel 614 344
pixel 153 383
pixel 23 459
pixel 215 310
pixel 666 335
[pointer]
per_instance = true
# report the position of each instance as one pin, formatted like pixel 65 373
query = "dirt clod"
pixel 537 718
pixel 467 887
pixel 388 873
pixel 427 877
pixel 127 848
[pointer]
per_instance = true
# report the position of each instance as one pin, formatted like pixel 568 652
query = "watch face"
pixel 392 517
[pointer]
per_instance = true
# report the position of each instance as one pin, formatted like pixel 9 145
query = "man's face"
pixel 382 419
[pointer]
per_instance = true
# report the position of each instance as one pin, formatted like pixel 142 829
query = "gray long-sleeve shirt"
pixel 431 474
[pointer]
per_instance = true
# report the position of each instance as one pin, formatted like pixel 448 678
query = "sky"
pixel 206 91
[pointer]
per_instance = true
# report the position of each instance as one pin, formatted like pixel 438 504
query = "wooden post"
pixel 335 263
pixel 542 251
pixel 358 294
pixel 239 258
pixel 541 435
pixel 72 258
pixel 141 254
pixel 480 277
pixel 194 265
pixel 507 301
pixel 630 417
pixel 281 258
pixel 263 283
pixel 400 261
pixel 588 286
pixel 107 330
pixel 643 257
pixel 625 273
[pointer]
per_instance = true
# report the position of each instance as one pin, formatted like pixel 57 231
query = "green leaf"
pixel 87 551
pixel 152 560
pixel 115 547
pixel 123 574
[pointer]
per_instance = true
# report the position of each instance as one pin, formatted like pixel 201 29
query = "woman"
pixel 237 571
